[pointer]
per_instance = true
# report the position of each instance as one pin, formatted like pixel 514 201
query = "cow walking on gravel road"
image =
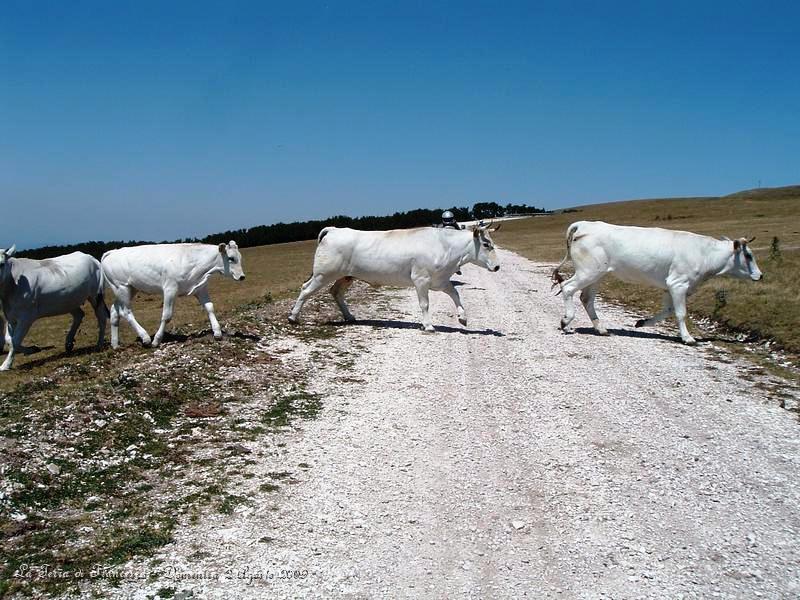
pixel 675 261
pixel 423 258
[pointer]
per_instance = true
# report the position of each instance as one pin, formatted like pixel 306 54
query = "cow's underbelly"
pixel 58 303
pixel 637 276
pixel 390 278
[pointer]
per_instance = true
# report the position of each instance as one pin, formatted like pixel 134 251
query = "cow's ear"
pixel 736 245
pixel 232 244
pixel 11 251
pixel 222 248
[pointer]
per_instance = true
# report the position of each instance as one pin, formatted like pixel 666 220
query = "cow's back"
pixel 379 257
pixel 634 254
pixel 55 285
pixel 148 268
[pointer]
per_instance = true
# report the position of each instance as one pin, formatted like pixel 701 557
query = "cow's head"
pixel 744 263
pixel 6 254
pixel 231 261
pixel 485 255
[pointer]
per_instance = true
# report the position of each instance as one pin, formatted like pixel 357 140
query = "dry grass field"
pixel 770 308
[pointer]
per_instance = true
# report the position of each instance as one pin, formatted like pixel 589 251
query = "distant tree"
pixel 279 233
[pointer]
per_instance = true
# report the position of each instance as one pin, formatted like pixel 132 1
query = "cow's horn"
pixel 751 239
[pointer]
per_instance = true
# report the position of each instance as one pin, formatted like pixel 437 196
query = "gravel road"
pixel 511 460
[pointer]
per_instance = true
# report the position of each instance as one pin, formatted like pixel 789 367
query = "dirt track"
pixel 511 460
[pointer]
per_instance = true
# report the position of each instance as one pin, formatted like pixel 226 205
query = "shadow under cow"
pixel 386 324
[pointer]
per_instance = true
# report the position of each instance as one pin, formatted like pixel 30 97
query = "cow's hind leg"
pixel 310 287
pixel 338 290
pixel 678 295
pixel 579 281
pixel 587 298
pixel 115 310
pixel 166 313
pixel 205 301
pixel 451 291
pixel 125 295
pixel 77 317
pixel 666 311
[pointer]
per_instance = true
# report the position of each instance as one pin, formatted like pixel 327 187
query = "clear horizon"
pixel 150 121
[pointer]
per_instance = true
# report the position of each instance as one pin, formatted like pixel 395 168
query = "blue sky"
pixel 157 120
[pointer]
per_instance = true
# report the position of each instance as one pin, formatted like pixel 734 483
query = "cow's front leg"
pixel 205 300
pixel 678 295
pixel 18 332
pixel 166 314
pixel 77 317
pixel 451 291
pixel 102 314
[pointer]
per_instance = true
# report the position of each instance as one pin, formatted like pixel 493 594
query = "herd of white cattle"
pixel 425 258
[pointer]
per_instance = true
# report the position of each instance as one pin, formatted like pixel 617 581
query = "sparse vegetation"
pixel 104 453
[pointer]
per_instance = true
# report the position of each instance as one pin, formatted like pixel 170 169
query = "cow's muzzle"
pixel 496 269
pixel 241 278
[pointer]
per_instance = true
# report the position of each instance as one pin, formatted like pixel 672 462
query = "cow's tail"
pixel 100 299
pixel 323 233
pixel 557 278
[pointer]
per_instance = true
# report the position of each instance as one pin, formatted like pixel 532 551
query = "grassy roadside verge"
pixel 103 454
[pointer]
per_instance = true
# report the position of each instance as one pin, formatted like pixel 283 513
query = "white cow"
pixel 422 258
pixel 675 261
pixel 32 289
pixel 170 270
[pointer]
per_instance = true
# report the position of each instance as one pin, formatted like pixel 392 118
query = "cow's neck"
pixel 719 258
pixel 469 253
pixel 208 267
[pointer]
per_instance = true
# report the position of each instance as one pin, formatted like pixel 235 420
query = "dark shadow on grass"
pixel 196 335
pixel 60 356
pixel 382 324
pixel 28 350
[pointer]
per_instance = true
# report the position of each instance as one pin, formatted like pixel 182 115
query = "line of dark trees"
pixel 280 233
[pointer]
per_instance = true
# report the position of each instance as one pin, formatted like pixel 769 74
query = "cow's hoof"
pixel 641 323
pixel 602 331
pixel 564 325
pixel 147 342
pixel 293 320
pixel 218 336
pixel 69 348
pixel 429 329
pixel 463 321
pixel 350 319
pixel 690 341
